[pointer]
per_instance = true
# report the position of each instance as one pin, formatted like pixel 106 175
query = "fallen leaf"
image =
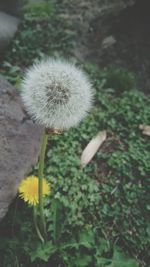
pixel 92 147
pixel 145 129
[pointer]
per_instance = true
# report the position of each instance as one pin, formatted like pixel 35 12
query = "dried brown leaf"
pixel 145 129
pixel 92 147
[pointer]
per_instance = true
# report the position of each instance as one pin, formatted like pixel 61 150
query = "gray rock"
pixel 8 28
pixel 19 144
pixel 12 7
pixel 108 41
pixel 89 10
pixel 104 7
pixel 86 13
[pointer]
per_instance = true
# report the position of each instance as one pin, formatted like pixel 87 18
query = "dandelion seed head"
pixel 56 93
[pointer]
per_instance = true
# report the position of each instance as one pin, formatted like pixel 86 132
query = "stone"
pixel 8 27
pixel 19 144
pixel 86 14
pixel 108 41
pixel 12 7
pixel 90 10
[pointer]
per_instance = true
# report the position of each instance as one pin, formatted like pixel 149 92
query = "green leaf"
pixel 57 219
pixel 119 259
pixel 87 239
pixel 43 251
pixel 83 260
pixel 69 244
pixel 148 230
pixel 102 247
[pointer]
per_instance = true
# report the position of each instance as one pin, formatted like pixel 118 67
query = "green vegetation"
pixel 100 212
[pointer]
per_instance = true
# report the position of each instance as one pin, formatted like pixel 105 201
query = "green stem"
pixel 17 262
pixel 40 175
pixel 36 225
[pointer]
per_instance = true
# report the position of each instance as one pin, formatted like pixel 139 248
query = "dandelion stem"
pixel 36 225
pixel 40 189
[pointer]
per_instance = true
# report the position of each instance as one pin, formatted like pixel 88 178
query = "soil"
pixel 131 47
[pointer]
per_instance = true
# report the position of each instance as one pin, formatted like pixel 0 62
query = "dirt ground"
pixel 125 44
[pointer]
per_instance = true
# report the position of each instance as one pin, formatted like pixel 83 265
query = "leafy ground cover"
pixel 100 212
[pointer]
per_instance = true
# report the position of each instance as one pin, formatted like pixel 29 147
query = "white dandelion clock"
pixel 56 93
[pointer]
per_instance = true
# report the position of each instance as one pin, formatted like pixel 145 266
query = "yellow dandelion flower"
pixel 28 189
